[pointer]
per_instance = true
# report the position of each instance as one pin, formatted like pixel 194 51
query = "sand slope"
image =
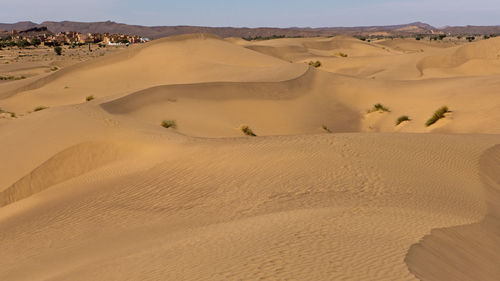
pixel 467 252
pixel 100 191
pixel 479 58
pixel 249 208
pixel 182 59
pixel 271 108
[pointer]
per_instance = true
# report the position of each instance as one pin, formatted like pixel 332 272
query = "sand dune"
pixel 480 58
pixel 99 190
pixel 182 59
pixel 271 108
pixel 467 252
pixel 67 164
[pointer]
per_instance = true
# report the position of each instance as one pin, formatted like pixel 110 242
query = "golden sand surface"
pixel 92 187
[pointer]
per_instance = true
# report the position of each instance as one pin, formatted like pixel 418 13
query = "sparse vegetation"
pixel 58 50
pixel 325 128
pixel 36 42
pixel 39 108
pixel 378 107
pixel 402 119
pixel 21 44
pixel 315 63
pixel 55 68
pixel 265 37
pixel 247 131
pixel 12 114
pixel 340 54
pixel 6 78
pixel 169 124
pixel 89 98
pixel 438 114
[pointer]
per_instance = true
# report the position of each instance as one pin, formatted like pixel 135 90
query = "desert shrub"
pixel 438 114
pixel 58 50
pixel 39 108
pixel 12 78
pixel 470 38
pixel 315 63
pixel 55 68
pixel 36 42
pixel 266 38
pixel 340 54
pixel 12 114
pixel 23 44
pixel 402 119
pixel 169 124
pixel 326 129
pixel 379 107
pixel 247 131
pixel 89 98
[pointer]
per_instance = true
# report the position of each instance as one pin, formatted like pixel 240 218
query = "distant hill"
pixel 471 30
pixel 162 31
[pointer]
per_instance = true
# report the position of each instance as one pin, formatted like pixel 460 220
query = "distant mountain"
pixel 162 31
pixel 22 25
pixel 471 30
pixel 411 28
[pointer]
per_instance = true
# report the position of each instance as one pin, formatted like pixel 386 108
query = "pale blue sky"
pixel 276 13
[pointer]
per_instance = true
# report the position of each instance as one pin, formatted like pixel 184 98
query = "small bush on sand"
pixel 378 107
pixel 39 108
pixel 315 63
pixel 402 119
pixel 325 128
pixel 340 54
pixel 169 124
pixel 55 68
pixel 12 78
pixel 58 50
pixel 89 98
pixel 438 114
pixel 12 114
pixel 247 131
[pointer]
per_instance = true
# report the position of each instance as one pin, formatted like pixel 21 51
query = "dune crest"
pixel 478 58
pixel 467 252
pixel 69 163
pixel 273 108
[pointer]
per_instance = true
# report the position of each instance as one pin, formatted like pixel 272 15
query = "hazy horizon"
pixel 259 13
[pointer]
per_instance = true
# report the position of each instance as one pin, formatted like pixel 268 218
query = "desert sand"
pixel 330 189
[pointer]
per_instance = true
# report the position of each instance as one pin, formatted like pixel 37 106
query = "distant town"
pixel 41 36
